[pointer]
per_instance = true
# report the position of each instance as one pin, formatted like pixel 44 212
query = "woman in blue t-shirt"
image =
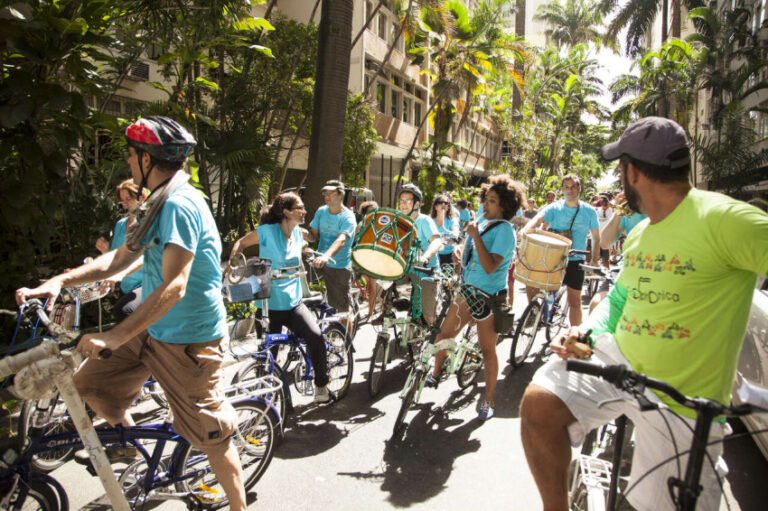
pixel 130 283
pixel 487 255
pixel 447 225
pixel 280 240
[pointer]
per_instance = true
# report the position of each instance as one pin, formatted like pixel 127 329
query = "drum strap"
pixel 472 244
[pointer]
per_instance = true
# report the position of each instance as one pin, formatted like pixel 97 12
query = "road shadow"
pixel 746 468
pixel 426 454
pixel 511 386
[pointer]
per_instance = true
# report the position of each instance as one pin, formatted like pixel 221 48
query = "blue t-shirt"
pixel 559 217
pixel 499 240
pixel 629 222
pixel 465 215
pixel 284 294
pixel 132 281
pixel 186 221
pixel 330 226
pixel 426 228
pixel 448 229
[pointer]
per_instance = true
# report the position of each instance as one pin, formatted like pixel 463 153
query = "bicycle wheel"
pixel 559 320
pixel 256 369
pixel 254 440
pixel 525 333
pixel 405 405
pixel 378 368
pixel 157 394
pixel 340 360
pixel 40 497
pixel 471 361
pixel 45 417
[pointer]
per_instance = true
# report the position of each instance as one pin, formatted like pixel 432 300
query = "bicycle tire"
pixel 559 319
pixel 471 363
pixel 406 403
pixel 256 369
pixel 378 369
pixel 525 333
pixel 255 441
pixel 340 360
pixel 40 497
pixel 37 420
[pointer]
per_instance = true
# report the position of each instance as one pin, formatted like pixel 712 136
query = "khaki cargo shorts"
pixel 190 375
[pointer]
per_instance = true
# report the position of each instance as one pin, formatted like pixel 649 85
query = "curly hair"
pixel 511 193
pixel 445 198
pixel 128 185
pixel 276 213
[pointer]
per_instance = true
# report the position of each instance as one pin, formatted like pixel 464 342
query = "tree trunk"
pixel 676 21
pixel 664 20
pixel 517 100
pixel 326 144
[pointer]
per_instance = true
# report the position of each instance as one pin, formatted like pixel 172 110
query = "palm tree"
pixel 330 98
pixel 638 16
pixel 572 23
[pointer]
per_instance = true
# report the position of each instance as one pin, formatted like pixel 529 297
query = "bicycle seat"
pixel 314 299
pixel 402 304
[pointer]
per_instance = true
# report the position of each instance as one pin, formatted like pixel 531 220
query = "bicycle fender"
pixel 56 485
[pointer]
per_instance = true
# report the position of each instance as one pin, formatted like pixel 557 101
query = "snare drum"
pixel 383 246
pixel 543 258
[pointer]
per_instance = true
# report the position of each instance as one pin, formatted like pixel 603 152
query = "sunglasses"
pixel 438 203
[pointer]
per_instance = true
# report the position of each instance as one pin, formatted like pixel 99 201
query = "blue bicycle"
pixel 338 345
pixel 167 468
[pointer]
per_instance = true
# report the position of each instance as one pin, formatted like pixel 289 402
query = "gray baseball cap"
pixel 650 140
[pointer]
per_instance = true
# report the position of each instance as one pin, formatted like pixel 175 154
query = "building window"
pixel 417 113
pixel 406 108
pixel 382 29
pixel 381 96
pixel 395 103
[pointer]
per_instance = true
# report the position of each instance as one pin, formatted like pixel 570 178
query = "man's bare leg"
pixel 544 422
pixel 226 466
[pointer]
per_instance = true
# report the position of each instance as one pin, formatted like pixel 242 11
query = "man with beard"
pixel 678 312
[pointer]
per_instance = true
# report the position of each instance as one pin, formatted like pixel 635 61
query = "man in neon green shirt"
pixel 678 313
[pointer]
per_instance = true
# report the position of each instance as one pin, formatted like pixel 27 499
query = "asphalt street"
pixel 339 457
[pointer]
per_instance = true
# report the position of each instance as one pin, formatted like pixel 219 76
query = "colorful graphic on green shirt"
pixel 682 300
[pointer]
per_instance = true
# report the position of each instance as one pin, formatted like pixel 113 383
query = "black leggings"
pixel 126 304
pixel 302 323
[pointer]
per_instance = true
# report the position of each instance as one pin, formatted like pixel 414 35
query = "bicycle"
pixel 153 474
pixel 338 348
pixel 49 415
pixel 464 358
pixel 552 306
pixel 593 478
pixel 407 333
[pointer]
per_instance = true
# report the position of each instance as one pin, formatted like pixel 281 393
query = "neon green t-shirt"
pixel 681 304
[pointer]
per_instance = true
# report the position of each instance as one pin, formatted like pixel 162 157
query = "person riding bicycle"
pixel 334 225
pixel 410 199
pixel 486 260
pixel 176 333
pixel 130 280
pixel 678 313
pixel 280 240
pixel 447 225
pixel 574 219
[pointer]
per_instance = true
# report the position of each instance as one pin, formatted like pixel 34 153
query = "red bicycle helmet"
pixel 163 138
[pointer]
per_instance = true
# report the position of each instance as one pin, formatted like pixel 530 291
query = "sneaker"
pixel 431 381
pixel 486 411
pixel 322 395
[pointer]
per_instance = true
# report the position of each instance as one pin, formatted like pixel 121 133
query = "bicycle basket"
pixel 87 294
pixel 476 299
pixel 255 284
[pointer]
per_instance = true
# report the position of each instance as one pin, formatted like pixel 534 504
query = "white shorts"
pixel 595 402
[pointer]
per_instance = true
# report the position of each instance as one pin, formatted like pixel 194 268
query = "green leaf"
pixel 207 83
pixel 11 115
pixel 262 49
pixel 10 405
pixel 253 24
pixel 166 58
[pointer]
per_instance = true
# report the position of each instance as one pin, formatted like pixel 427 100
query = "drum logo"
pixel 384 220
pixel 386 238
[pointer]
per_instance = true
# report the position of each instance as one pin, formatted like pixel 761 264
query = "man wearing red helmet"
pixel 176 333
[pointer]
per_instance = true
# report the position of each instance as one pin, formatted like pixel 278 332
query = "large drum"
pixel 384 243
pixel 543 257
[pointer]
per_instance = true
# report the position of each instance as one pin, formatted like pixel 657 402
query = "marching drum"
pixel 543 257
pixel 383 246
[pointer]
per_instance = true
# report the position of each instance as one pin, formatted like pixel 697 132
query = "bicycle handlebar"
pixel 626 379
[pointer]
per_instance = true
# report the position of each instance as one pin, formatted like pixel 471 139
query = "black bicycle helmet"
pixel 412 188
pixel 163 138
